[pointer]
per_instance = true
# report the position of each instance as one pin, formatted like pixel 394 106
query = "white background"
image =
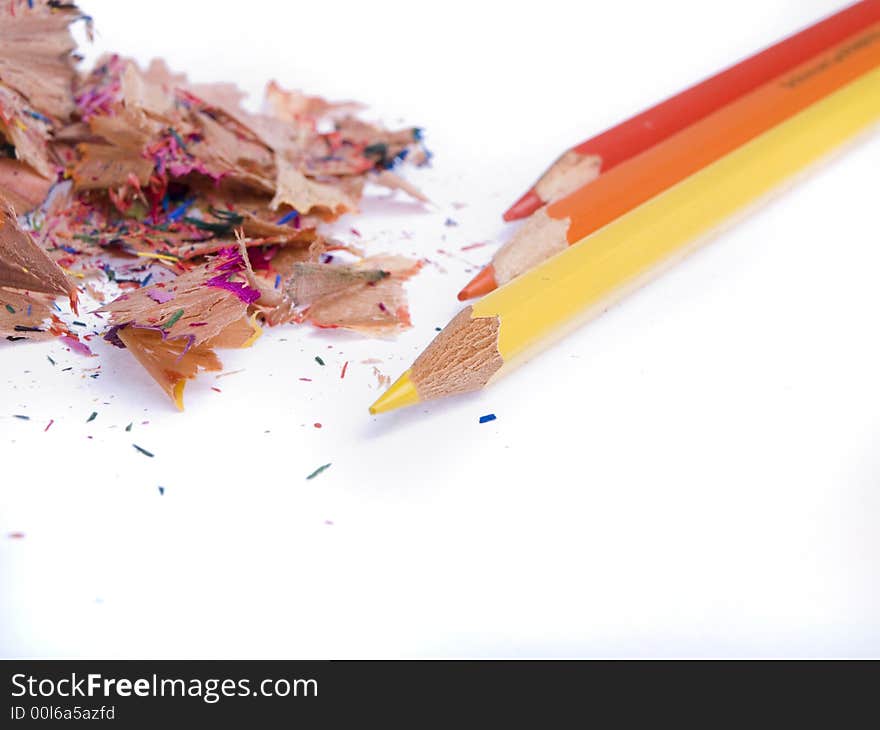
pixel 695 474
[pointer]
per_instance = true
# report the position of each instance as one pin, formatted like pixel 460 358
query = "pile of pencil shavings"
pixel 205 219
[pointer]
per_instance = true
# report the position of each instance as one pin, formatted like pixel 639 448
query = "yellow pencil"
pixel 488 338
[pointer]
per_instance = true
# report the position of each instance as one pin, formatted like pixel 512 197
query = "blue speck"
pixel 180 210
pixel 488 417
pixel 287 218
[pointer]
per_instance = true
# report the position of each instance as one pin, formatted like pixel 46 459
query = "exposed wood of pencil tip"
pixel 462 358
pixel 540 238
pixel 570 172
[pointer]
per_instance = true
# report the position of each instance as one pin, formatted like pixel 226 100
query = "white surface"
pixel 695 474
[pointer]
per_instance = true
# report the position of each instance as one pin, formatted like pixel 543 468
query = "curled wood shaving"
pixel 295 190
pixel 24 265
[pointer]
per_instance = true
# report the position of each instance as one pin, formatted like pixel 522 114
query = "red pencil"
pixel 583 163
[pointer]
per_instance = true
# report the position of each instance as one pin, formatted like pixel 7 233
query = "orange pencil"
pixel 636 181
pixel 605 151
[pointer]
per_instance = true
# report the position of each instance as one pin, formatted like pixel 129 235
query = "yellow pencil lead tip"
pixel 401 394
pixel 178 393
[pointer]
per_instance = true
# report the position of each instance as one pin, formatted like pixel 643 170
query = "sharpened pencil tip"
pixel 401 394
pixel 524 207
pixel 481 284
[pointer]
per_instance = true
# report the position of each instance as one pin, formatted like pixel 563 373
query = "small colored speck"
pixel 318 471
pixel 161 490
pixel 318 425
pixel 319 360
pixel 50 359
pixel 92 417
pixel 23 418
pixel 16 535
pixel 10 309
pixel 449 222
pixel 128 427
pixel 143 451
pixel 344 368
pixel 174 317
pixel 488 417
pixel 217 389
pixel 438 329
pixel 287 218
pixel 49 425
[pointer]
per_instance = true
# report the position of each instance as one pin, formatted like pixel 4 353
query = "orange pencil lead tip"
pixel 481 284
pixel 525 206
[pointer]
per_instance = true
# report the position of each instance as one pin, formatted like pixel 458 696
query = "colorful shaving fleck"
pixel 92 417
pixel 172 320
pixel 319 360
pixel 75 345
pixel 488 417
pixel 160 296
pixel 287 218
pixel 144 451
pixel 231 264
pixel 318 471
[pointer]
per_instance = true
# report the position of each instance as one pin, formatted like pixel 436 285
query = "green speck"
pixel 318 471
pixel 174 317
pixel 143 451
pixel 379 149
pixel 28 418
pixel 319 360
pixel 10 309
pixel 50 359
pixel 128 427
pixel 92 417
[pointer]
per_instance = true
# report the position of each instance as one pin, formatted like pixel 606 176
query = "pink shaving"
pixel 76 345
pixel 160 295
